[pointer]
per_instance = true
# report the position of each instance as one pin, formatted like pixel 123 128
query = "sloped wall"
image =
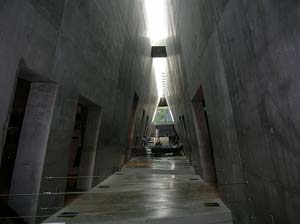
pixel 245 56
pixel 94 49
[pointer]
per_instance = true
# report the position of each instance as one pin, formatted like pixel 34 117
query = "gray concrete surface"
pixel 93 49
pixel 32 148
pixel 245 55
pixel 148 197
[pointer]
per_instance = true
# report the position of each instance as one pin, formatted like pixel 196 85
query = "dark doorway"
pixel 181 132
pixel 83 148
pixel 138 138
pixel 13 133
pixel 142 121
pixel 204 137
pixel 132 120
pixel 146 126
pixel 11 144
pixel 188 149
pixel 76 150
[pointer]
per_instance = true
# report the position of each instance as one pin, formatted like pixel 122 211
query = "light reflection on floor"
pixel 152 190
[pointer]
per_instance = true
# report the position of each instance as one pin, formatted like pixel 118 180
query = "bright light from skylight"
pixel 156 19
pixel 160 70
pixel 157 25
pixel 157 31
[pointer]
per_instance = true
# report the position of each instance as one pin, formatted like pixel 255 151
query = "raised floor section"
pixel 149 190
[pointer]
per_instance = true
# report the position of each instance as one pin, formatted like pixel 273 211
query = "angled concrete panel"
pixel 32 149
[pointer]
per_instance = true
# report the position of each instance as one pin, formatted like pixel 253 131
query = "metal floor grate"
pixel 68 214
pixel 211 204
pixel 103 186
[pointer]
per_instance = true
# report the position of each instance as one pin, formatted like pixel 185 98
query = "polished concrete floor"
pixel 149 190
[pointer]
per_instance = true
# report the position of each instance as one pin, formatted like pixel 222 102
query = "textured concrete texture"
pixel 136 195
pixel 32 148
pixel 96 50
pixel 245 55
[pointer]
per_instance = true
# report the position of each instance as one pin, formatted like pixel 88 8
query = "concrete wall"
pixel 245 55
pixel 94 49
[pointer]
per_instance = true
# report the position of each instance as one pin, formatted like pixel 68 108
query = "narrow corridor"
pixel 90 88
pixel 149 190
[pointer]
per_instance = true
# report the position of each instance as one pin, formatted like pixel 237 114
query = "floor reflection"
pixel 149 190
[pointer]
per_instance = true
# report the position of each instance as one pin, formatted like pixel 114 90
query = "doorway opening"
pixel 76 147
pixel 142 124
pixel 132 121
pixel 11 143
pixel 187 147
pixel 204 137
pixel 13 133
pixel 140 134
pixel 146 126
pixel 83 148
